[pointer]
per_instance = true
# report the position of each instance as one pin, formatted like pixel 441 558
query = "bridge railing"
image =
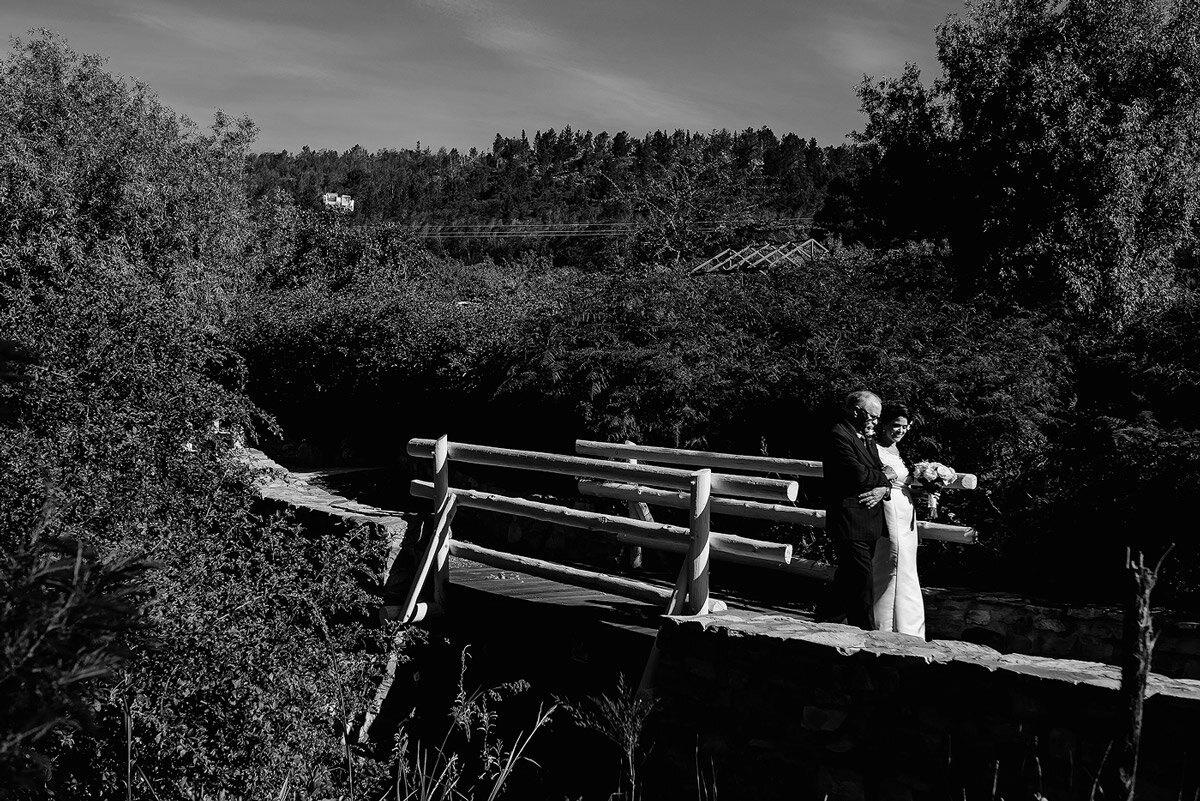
pixel 697 542
pixel 634 493
pixel 699 490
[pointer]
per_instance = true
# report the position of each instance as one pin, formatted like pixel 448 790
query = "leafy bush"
pixel 64 618
pixel 409 349
pixel 1126 465
pixel 187 646
pixel 745 363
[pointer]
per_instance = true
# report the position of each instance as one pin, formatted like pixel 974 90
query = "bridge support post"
pixel 698 553
pixel 441 490
pixel 691 588
pixel 631 555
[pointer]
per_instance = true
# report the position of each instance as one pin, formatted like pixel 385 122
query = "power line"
pixel 514 230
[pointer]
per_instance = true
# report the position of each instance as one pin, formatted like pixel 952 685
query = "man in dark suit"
pixel 856 482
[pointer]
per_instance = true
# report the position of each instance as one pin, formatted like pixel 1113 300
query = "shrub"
pixel 192 648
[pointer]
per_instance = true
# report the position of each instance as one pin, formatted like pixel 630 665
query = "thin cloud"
pixel 453 72
pixel 872 37
pixel 869 51
pixel 257 49
pixel 538 47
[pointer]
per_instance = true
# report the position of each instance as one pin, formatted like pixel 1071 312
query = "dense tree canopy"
pixel 744 181
pixel 1059 151
pixel 141 629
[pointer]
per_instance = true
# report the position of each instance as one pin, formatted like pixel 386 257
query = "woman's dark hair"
pixel 891 411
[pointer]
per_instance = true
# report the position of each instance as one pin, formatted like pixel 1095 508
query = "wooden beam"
pixel 726 461
pixel 770 489
pixel 699 551
pixel 631 555
pixel 576 577
pixel 690 458
pixel 962 535
pixel 440 522
pixel 732 507
pixel 421 611
pixel 441 491
pixel 555 463
pixel 663 536
pixel 810 568
pixel 679 593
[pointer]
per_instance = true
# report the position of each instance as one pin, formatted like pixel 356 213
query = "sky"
pixel 454 73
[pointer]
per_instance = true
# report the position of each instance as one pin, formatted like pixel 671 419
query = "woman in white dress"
pixel 898 603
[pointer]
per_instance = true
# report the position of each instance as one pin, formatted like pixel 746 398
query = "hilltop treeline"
pixel 745 181
pixel 555 176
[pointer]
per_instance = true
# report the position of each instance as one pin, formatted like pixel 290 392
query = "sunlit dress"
pixel 898 603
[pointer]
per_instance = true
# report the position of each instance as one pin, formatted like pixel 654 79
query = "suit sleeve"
pixel 848 467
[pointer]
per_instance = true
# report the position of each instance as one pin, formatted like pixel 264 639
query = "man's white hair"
pixel 859 399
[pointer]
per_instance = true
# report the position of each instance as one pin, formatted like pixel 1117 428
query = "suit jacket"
pixel 851 468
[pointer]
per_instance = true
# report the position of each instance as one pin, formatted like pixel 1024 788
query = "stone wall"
pixel 313 506
pixel 1012 624
pixel 776 707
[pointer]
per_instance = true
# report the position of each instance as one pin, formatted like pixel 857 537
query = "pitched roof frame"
pixel 761 257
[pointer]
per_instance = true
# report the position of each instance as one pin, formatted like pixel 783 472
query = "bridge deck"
pixel 491 586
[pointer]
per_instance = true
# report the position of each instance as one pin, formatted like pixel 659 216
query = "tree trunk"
pixel 1139 640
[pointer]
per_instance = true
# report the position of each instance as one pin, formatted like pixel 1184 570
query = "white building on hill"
pixel 333 200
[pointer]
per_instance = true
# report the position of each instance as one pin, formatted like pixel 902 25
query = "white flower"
pixel 933 473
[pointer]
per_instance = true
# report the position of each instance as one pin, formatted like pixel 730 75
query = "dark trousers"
pixel 852 594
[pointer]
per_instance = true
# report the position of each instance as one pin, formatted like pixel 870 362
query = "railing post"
pixel 439 525
pixel 631 555
pixel 698 553
pixel 441 489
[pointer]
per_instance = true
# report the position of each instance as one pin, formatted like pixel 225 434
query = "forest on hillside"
pixel 1013 254
pixel 727 188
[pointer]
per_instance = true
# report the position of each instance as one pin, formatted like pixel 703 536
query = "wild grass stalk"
pixel 706 785
pixel 439 773
pixel 516 753
pixel 621 719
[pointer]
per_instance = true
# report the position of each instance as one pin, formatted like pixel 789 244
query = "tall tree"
pixel 1063 143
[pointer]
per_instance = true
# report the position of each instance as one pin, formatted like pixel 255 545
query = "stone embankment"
pixel 313 506
pixel 848 714
pixel 1012 624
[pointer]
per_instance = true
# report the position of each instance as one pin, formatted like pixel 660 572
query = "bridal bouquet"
pixel 932 477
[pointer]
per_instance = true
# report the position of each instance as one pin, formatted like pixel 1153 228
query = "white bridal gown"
pixel 898 603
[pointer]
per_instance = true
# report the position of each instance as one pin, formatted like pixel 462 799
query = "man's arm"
pixel 848 465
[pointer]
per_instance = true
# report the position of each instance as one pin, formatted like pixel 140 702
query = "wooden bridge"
pixel 763 488
pixel 778 701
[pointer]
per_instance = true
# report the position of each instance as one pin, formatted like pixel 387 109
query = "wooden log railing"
pixel 632 531
pixel 700 491
pixel 727 461
pixel 696 541
pixel 779 513
pixel 768 489
pixel 644 495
